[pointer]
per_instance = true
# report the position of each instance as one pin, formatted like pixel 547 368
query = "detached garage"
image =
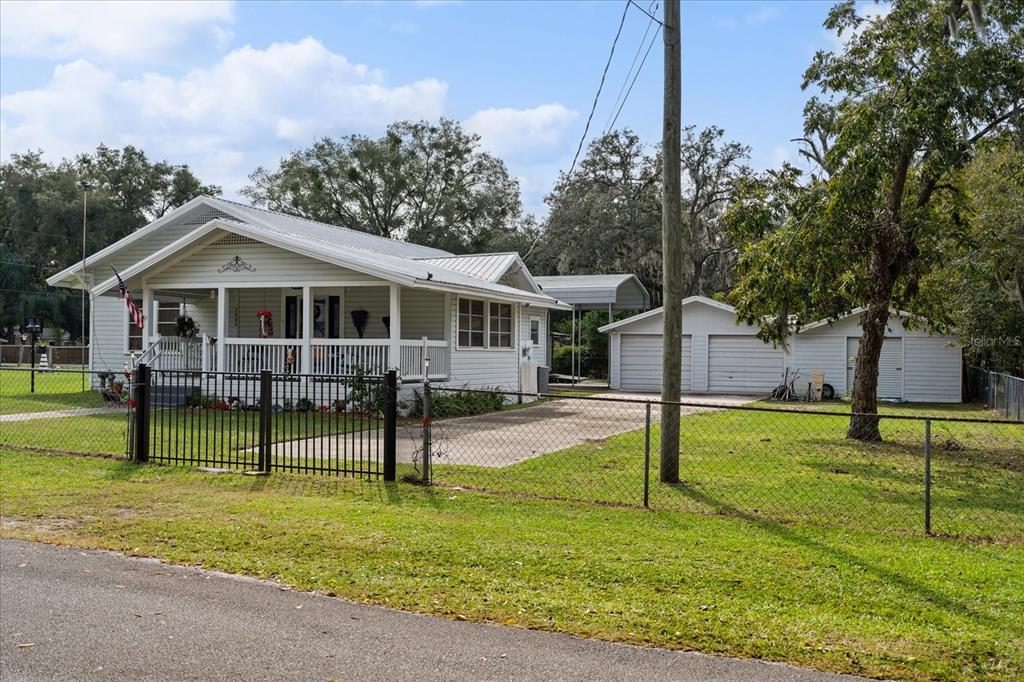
pixel 721 356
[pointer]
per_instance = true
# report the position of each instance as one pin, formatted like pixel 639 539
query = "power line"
pixel 600 86
pixel 609 123
pixel 654 39
pixel 653 18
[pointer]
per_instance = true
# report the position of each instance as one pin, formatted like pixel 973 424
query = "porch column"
pixel 306 361
pixel 222 327
pixel 147 317
pixel 395 347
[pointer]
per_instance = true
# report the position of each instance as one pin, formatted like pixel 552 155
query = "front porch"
pixel 367 328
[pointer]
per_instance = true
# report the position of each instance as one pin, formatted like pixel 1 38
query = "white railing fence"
pixel 349 356
pixel 281 356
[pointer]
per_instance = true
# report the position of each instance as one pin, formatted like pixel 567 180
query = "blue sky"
pixel 226 87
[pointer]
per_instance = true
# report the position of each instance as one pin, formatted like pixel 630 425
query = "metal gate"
pixel 342 425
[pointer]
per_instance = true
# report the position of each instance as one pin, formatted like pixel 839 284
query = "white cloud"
pixel 779 156
pixel 248 108
pixel 518 133
pixel 404 26
pixel 109 31
pixel 763 15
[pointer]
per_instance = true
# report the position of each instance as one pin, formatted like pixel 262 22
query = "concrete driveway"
pixel 500 439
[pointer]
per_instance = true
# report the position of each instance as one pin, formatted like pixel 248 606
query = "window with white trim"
pixel 134 342
pixel 535 331
pixel 167 318
pixel 499 324
pixel 471 323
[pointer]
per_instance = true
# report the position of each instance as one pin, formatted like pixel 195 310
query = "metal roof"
pixel 621 291
pixel 488 266
pixel 657 311
pixel 406 271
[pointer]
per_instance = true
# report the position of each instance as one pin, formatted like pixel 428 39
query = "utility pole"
pixel 85 211
pixel 673 249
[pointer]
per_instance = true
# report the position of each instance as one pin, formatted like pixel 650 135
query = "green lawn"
pixel 794 468
pixel 56 390
pixel 833 599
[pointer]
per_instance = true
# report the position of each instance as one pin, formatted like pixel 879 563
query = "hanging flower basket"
pixel 266 319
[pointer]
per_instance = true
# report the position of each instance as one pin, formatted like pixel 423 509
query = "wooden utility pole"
pixel 673 249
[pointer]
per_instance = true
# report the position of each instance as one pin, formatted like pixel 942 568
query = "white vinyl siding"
pixel 743 364
pixel 932 370
pixel 641 362
pixel 890 367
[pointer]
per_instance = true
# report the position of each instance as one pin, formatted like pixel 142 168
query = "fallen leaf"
pixel 26 645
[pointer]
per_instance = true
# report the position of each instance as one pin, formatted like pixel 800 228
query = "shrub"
pixel 456 403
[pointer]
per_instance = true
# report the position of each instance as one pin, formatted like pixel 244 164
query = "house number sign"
pixel 236 264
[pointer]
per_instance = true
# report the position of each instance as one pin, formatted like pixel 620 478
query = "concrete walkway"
pixel 85 615
pixel 53 414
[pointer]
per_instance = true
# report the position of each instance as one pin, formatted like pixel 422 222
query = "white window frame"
pixel 513 322
pixel 127 326
pixel 511 325
pixel 535 321
pixel 166 305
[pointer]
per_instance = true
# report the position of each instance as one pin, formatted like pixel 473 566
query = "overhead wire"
pixel 597 96
pixel 636 55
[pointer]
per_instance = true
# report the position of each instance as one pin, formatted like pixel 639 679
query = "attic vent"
pixel 204 216
pixel 235 240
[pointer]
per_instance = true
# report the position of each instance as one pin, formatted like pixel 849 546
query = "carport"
pixel 594 292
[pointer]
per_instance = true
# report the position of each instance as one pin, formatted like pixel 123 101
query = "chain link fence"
pixel 936 468
pixel 953 476
pixel 65 410
pixel 997 391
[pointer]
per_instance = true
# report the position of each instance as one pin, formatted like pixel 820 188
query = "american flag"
pixel 133 308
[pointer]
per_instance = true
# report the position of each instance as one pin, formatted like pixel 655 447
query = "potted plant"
pixel 187 327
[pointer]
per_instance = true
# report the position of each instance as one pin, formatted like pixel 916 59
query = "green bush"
pixel 456 403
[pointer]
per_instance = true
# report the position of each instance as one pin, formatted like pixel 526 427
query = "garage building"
pixel 721 355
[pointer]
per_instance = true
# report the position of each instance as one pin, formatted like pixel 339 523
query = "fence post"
pixel 928 476
pixel 428 399
pixel 140 427
pixel 266 417
pixel 390 423
pixel 647 456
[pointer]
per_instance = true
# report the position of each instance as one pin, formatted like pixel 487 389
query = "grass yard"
pixel 794 468
pixel 57 390
pixel 832 599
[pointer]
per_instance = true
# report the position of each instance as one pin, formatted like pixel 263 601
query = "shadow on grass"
pixel 792 535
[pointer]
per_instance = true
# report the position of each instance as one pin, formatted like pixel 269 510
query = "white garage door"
pixel 641 362
pixel 742 364
pixel 890 366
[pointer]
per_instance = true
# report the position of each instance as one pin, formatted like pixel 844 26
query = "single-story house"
pixel 281 293
pixel 720 355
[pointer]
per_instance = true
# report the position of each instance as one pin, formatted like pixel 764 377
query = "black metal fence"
pixel 265 422
pixel 949 475
pixel 945 475
pixel 998 391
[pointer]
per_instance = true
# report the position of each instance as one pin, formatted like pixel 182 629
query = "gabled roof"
pixel 657 311
pixel 388 259
pixel 406 271
pixel 260 217
pixel 595 290
pixel 852 313
pixel 488 266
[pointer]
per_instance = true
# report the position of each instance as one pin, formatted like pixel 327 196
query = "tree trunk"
pixel 864 421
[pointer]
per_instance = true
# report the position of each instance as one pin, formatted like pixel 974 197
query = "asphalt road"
pixel 67 614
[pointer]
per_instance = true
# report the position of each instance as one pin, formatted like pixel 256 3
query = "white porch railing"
pixel 284 356
pixel 174 353
pixel 412 354
pixel 245 356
